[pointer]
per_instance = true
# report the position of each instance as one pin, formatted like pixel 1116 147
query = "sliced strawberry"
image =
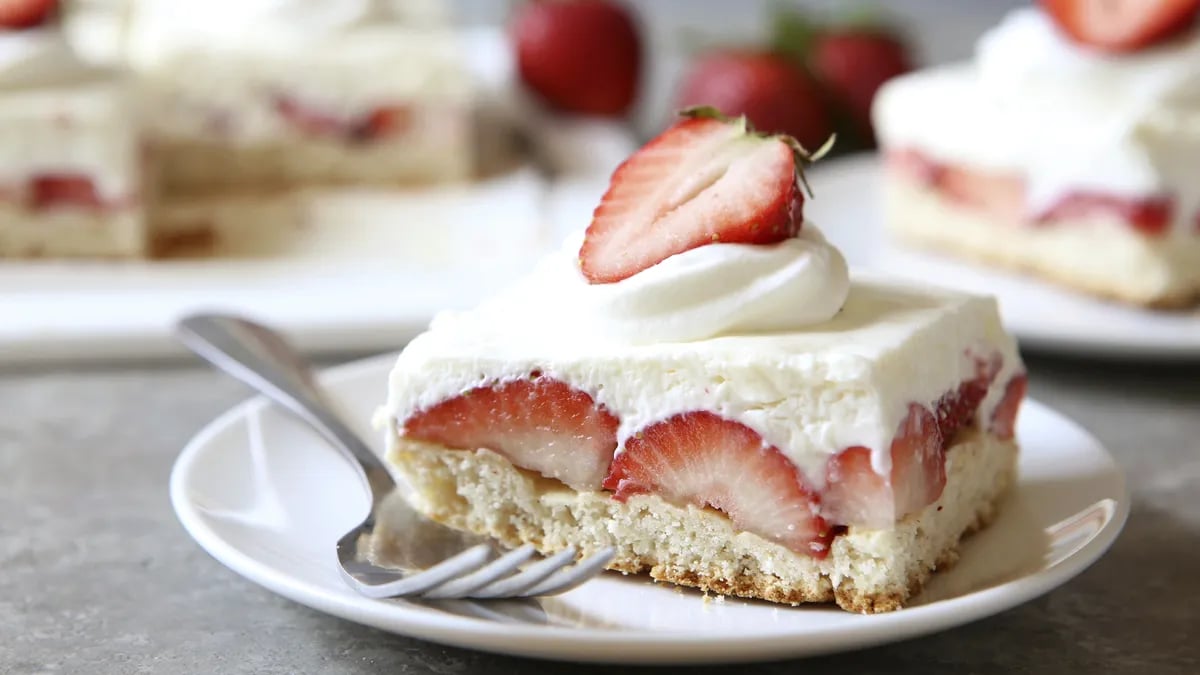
pixel 54 190
pixel 1004 417
pixel 308 119
pixel 538 423
pixel 701 181
pixel 25 13
pixel 382 122
pixel 1000 195
pixel 915 165
pixel 1121 25
pixel 702 459
pixel 1150 216
pixel 856 495
pixel 957 408
pixel 1003 196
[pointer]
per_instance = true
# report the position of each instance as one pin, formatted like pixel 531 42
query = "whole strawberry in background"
pixel 775 94
pixel 25 13
pixel 578 56
pixel 812 80
pixel 851 63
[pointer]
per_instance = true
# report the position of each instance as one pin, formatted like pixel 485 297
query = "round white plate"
pixel 268 499
pixel 847 207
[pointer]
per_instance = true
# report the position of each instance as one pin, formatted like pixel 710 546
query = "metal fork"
pixel 261 358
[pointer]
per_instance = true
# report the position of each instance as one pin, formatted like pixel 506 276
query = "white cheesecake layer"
pixel 810 392
pixel 1065 118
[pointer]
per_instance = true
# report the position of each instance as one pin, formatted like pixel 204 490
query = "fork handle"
pixel 261 358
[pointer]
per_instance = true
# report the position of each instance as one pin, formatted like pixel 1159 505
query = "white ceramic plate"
pixel 848 210
pixel 266 498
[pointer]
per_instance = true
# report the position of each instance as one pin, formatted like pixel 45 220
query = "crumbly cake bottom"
pixel 72 233
pixel 866 571
pixel 1094 255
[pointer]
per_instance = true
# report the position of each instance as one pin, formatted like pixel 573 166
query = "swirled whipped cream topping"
pixel 38 57
pixel 709 291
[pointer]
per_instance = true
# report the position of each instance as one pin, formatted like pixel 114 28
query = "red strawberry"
pixel 25 13
pixel 538 423
pixel 852 64
pixel 1004 418
pixel 856 495
pixel 53 190
pixel 1121 25
pixel 1000 195
pixel 704 180
pixel 307 119
pixel 776 95
pixel 581 56
pixel 383 122
pixel 1150 216
pixel 957 408
pixel 702 459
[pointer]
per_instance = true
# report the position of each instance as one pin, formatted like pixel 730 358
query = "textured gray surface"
pixel 96 576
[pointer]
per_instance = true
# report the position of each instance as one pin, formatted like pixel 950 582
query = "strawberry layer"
pixel 1004 195
pixel 700 458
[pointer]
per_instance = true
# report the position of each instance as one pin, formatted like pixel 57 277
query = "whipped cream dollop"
pixel 40 56
pixel 709 291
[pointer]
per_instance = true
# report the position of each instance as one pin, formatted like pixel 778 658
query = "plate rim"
pixel 594 646
pixel 1048 342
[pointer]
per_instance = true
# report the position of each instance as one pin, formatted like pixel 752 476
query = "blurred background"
pixel 347 168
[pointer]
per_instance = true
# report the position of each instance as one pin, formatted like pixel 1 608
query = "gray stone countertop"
pixel 97 576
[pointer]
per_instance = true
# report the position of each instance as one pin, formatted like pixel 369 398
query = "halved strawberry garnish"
pixel 856 495
pixel 706 179
pixel 1004 418
pixel 1003 196
pixel 702 459
pixel 50 190
pixel 1121 25
pixel 25 13
pixel 538 423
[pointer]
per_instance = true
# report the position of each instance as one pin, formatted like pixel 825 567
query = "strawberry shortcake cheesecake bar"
pixel 698 382
pixel 1069 147
pixel 258 95
pixel 71 152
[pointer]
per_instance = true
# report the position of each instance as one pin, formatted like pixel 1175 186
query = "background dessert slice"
pixel 1051 157
pixel 72 174
pixel 372 105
